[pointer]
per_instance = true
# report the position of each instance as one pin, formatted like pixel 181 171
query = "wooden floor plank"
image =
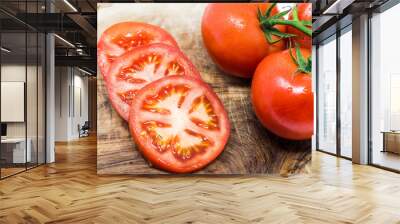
pixel 69 191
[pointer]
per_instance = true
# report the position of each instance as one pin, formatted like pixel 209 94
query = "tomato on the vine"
pixel 179 124
pixel 304 12
pixel 282 95
pixel 234 39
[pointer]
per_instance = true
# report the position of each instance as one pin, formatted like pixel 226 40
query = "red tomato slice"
pixel 179 124
pixel 125 36
pixel 135 69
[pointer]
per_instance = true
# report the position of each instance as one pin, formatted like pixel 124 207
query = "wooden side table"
pixel 391 141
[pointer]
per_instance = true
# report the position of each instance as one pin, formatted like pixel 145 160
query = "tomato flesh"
pixel 137 68
pixel 126 36
pixel 179 124
pixel 129 42
pixel 282 98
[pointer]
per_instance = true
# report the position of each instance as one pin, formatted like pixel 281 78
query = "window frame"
pixel 339 32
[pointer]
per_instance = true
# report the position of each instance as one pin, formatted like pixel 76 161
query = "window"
pixel 346 92
pixel 385 90
pixel 327 95
pixel 333 137
pixel 22 76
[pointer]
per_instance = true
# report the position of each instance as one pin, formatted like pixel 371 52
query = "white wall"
pixel 16 73
pixel 12 73
pixel 81 94
pixel 70 84
pixel 62 81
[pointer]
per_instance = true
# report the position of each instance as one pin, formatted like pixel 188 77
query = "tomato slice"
pixel 125 36
pixel 179 124
pixel 137 68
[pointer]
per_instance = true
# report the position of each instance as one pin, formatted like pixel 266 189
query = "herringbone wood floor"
pixel 69 191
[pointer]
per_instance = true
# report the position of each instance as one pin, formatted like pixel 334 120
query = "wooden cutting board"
pixel 251 148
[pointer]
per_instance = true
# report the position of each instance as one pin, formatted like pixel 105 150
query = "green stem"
pixel 268 21
pixel 295 24
pixel 303 65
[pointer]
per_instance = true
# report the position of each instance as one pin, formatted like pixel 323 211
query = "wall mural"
pixel 204 88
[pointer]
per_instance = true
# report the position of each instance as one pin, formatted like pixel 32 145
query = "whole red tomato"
pixel 282 96
pixel 234 39
pixel 304 12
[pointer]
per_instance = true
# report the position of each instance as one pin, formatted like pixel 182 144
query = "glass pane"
pixel 32 87
pixel 314 73
pixel 327 96
pixel 41 98
pixel 23 87
pixel 385 86
pixel 346 94
pixel 31 98
pixel 13 87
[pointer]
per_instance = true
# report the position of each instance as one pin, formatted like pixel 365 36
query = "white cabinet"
pixel 19 155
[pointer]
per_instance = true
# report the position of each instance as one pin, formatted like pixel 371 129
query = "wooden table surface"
pixel 251 148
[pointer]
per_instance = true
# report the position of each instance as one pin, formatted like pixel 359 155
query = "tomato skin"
pixel 233 37
pixel 283 99
pixel 107 46
pixel 304 12
pixel 166 160
pixel 125 60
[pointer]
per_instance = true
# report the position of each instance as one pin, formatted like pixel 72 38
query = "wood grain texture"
pixel 251 149
pixel 70 191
